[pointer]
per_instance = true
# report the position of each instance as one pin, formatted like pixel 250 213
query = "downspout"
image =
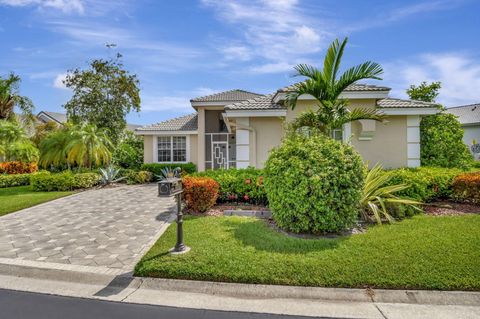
pixel 251 129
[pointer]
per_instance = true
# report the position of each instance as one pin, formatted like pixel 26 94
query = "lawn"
pixel 420 253
pixel 16 198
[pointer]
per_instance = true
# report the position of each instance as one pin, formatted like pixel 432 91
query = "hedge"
pixel 14 180
pixel 245 185
pixel 199 193
pixel 136 177
pixel 426 183
pixel 46 182
pixel 17 167
pixel 466 187
pixel 156 168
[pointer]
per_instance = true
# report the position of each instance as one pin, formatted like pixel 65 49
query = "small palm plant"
pixel 377 195
pixel 110 175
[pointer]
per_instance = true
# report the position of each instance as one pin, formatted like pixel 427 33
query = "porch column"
pixel 243 143
pixel 201 139
pixel 413 140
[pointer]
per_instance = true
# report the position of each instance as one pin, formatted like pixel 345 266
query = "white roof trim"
pixel 153 132
pixel 215 103
pixel 345 95
pixel 409 110
pixel 256 113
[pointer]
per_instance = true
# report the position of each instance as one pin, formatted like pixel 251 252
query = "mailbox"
pixel 170 187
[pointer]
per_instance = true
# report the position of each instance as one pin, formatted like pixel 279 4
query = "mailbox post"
pixel 170 187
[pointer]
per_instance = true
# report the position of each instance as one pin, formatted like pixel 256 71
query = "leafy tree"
pixel 42 130
pixel 129 152
pixel 53 148
pixel 10 98
pixel 14 145
pixel 441 142
pixel 326 85
pixel 424 92
pixel 103 95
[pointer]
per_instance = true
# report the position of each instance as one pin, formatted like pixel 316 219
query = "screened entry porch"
pixel 220 150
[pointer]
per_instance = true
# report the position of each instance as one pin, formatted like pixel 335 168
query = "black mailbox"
pixel 169 187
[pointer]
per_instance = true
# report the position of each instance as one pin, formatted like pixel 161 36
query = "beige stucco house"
pixel 238 129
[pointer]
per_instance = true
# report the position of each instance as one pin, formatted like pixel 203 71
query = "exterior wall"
pixel 470 133
pixel 201 140
pixel 194 149
pixel 388 145
pixel 304 105
pixel 148 149
pixel 212 121
pixel 268 132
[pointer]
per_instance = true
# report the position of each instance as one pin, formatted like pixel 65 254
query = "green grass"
pixel 16 198
pixel 419 253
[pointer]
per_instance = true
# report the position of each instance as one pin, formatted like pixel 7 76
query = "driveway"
pixel 109 227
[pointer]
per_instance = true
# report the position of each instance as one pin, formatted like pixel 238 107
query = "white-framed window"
pixel 337 134
pixel 171 149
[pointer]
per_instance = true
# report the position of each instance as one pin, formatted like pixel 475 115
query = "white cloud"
pixel 276 32
pixel 58 81
pixel 459 74
pixel 66 6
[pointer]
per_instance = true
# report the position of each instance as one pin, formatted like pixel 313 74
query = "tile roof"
pixel 351 88
pixel 227 96
pixel 399 103
pixel 467 114
pixel 58 117
pixel 263 102
pixel 184 123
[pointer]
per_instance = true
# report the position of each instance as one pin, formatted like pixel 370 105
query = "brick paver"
pixel 109 227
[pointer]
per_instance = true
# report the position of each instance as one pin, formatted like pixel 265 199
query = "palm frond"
pixel 366 70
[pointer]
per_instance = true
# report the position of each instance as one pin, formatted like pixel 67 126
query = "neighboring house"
pixel 469 117
pixel 238 129
pixel 60 118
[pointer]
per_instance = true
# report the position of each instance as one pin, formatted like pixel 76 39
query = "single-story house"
pixel 469 118
pixel 237 128
pixel 61 118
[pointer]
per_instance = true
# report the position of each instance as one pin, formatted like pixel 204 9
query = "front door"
pixel 220 155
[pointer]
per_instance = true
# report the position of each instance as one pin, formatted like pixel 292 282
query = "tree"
pixel 10 98
pixel 88 146
pixel 326 86
pixel 103 95
pixel 14 145
pixel 129 152
pixel 42 130
pixel 424 92
pixel 53 148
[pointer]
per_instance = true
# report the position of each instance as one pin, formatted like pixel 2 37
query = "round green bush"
pixel 314 184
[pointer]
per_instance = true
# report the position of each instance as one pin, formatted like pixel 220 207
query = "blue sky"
pixel 185 48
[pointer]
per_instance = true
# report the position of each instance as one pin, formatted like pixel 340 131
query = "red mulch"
pixel 446 208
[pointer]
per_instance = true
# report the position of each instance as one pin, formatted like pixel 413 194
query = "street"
pixel 26 305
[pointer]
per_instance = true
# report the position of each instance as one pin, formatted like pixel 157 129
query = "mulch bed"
pixel 447 208
pixel 218 209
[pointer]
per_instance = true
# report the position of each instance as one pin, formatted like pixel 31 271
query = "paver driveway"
pixel 108 227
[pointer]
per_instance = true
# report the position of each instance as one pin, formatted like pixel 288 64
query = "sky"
pixel 181 49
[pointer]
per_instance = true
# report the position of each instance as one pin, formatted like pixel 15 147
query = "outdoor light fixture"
pixel 170 187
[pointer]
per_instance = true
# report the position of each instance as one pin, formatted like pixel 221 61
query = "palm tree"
pixel 10 98
pixel 53 148
pixel 326 86
pixel 88 146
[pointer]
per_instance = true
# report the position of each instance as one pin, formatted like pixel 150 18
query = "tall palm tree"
pixel 88 146
pixel 10 98
pixel 326 86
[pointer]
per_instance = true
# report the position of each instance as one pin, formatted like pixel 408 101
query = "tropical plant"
pixel 110 175
pixel 168 172
pixel 11 98
pixel 53 151
pixel 88 146
pixel 424 91
pixel 128 152
pixel 326 86
pixel 14 146
pixel 42 130
pixel 378 195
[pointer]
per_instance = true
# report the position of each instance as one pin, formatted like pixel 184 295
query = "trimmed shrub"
pixel 156 168
pixel 244 185
pixel 426 183
pixel 17 167
pixel 14 180
pixel 466 187
pixel 442 142
pixel 199 193
pixel 46 182
pixel 314 184
pixel 136 177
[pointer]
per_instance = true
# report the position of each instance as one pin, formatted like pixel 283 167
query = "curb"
pixel 245 291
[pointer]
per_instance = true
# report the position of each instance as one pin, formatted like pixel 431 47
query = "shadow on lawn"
pixel 260 236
